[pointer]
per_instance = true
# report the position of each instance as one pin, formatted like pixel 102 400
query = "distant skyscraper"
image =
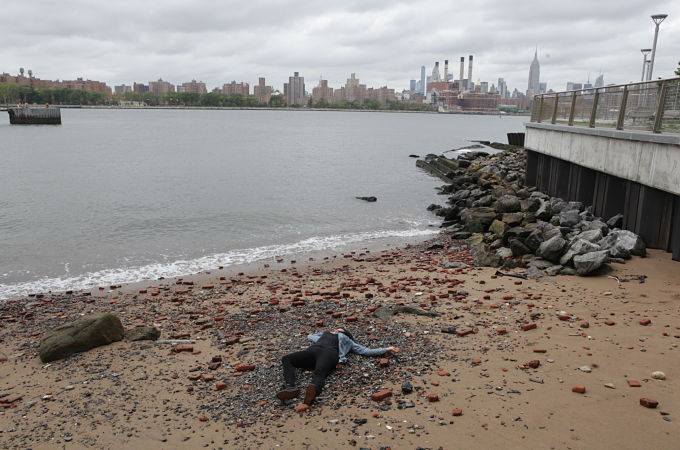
pixel 535 75
pixel 436 76
pixel 294 90
pixel 261 91
pixel 599 81
pixel 502 88
pixel 542 88
pixel 423 81
pixel 412 85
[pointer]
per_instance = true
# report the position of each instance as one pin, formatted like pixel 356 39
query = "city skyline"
pixel 385 42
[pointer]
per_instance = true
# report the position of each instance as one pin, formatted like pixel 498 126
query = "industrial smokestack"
pixel 462 71
pixel 470 71
pixel 446 70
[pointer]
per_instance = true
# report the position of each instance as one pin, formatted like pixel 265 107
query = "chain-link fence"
pixel 648 106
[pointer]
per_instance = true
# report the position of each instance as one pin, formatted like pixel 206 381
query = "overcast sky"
pixel 384 41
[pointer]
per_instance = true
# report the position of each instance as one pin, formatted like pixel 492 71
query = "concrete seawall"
pixel 34 116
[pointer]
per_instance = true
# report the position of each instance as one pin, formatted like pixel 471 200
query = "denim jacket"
pixel 346 345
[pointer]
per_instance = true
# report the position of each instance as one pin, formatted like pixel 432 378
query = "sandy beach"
pixel 511 383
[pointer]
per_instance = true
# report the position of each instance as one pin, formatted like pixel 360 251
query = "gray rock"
pixel 552 249
pixel 627 243
pixel 504 252
pixel 513 219
pixel 143 334
pixel 540 263
pixel 484 258
pixel 530 205
pixel 498 228
pixel 477 220
pixel 461 195
pixel 567 271
pixel 544 211
pixel 578 247
pixel 594 235
pixel 569 218
pixel 596 225
pixel 518 248
pixel 508 204
pixel 533 272
pixel 615 221
pixel 454 265
pixel 590 262
pixel 553 270
pixel 79 336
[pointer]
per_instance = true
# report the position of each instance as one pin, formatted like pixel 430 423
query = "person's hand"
pixel 391 350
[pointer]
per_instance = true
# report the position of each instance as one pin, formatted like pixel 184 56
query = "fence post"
pixel 554 112
pixel 622 110
pixel 593 112
pixel 573 108
pixel 658 119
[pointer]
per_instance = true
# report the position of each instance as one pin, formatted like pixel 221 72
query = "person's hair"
pixel 346 333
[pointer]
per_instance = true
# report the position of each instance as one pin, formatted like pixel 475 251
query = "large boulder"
pixel 578 247
pixel 544 211
pixel 484 258
pixel 627 243
pixel 143 334
pixel 569 218
pixel 508 204
pixel 477 220
pixel 498 228
pixel 552 249
pixel 79 336
pixel 590 235
pixel 518 248
pixel 590 262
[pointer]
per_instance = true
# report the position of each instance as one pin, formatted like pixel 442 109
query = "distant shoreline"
pixel 265 108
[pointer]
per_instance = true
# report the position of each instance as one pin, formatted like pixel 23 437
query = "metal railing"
pixel 646 106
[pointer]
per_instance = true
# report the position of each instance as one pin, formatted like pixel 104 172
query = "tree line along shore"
pixel 11 93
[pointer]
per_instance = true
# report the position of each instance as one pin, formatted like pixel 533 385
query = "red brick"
pixel 534 364
pixel 610 323
pixel 649 403
pixel 645 322
pixel 584 325
pixel 564 317
pixel 528 326
pixel 245 367
pixel 214 366
pixel 633 383
pixel 432 398
pixel 381 395
pixel 219 386
pixel 501 331
pixel 539 350
pixel 383 362
pixel 183 348
pixel 464 332
pixel 579 389
pixel 301 408
pixel 457 412
pixel 232 340
pixel 351 319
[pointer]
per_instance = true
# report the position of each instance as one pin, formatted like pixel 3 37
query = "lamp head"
pixel 645 51
pixel 658 18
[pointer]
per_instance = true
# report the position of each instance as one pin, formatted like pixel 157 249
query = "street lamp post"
pixel 645 52
pixel 657 18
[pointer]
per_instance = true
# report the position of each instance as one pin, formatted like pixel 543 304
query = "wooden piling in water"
pixel 34 116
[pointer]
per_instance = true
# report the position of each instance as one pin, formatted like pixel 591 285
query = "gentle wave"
pixel 187 267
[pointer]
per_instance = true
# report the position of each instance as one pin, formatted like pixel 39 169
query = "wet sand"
pixel 144 395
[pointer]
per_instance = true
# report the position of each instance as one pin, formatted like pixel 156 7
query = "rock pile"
pixel 512 225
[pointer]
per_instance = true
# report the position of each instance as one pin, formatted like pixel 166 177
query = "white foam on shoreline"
pixel 179 268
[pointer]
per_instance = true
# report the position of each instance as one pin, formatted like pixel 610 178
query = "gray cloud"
pixel 384 42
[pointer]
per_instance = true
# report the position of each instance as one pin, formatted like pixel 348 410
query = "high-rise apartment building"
pixel 423 81
pixel 193 86
pixel 354 91
pixel 236 88
pixel 160 87
pixel 412 85
pixel 140 88
pixel 534 75
pixel 322 91
pixel 294 90
pixel 262 92
pixel 502 88
pixel 122 89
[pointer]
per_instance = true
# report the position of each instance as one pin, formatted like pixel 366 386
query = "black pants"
pixel 321 360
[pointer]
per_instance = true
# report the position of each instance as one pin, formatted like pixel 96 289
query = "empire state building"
pixel 535 75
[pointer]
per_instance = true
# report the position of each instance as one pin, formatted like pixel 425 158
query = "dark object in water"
pixel 34 116
pixel 414 156
pixel 368 199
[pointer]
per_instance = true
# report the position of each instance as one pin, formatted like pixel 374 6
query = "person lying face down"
pixel 327 350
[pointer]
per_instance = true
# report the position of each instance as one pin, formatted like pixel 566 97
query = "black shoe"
pixel 287 393
pixel 310 395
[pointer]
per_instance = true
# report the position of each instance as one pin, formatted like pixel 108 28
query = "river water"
pixel 114 196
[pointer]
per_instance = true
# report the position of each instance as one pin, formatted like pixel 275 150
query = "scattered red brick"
pixel 529 326
pixel 633 383
pixel 381 395
pixel 579 389
pixel 457 412
pixel 432 398
pixel 245 367
pixel 649 403
pixel 645 322
pixel 220 385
